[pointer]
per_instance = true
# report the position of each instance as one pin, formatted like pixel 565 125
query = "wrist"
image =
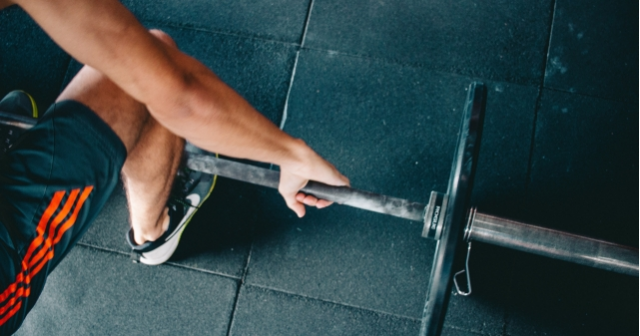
pixel 297 156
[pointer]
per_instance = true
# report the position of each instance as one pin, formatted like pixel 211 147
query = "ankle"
pixel 149 233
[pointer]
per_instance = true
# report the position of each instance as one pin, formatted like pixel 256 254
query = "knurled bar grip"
pixel 552 243
pixel 342 195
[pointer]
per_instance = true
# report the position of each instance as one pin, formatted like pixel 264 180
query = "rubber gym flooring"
pixel 376 87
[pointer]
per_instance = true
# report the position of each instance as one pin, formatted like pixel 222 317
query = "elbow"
pixel 176 99
pixel 187 105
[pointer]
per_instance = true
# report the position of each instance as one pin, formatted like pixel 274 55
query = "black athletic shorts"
pixel 53 183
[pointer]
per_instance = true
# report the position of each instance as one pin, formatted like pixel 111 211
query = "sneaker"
pixel 190 189
pixel 18 113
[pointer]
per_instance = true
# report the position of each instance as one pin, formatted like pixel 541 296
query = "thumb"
pixel 288 188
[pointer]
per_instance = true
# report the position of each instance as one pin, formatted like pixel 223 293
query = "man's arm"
pixel 180 92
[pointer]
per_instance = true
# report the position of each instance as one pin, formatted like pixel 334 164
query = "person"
pixel 137 108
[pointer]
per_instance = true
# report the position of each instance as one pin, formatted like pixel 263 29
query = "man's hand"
pixel 295 176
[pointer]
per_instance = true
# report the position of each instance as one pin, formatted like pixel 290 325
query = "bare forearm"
pixel 214 117
pixel 179 91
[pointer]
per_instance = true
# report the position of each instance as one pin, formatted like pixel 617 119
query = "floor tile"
pixel 594 49
pixel 499 186
pixel 265 312
pixel 29 59
pixel 342 255
pixel 99 293
pixel 112 224
pixel 553 297
pixel 219 237
pixel 502 41
pixel 584 166
pixel 583 161
pixel 281 20
pixel 391 129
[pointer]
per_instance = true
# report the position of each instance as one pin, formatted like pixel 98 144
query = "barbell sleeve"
pixel 552 243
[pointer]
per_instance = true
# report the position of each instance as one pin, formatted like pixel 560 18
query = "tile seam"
pixel 506 317
pixel 201 270
pixel 173 264
pixel 234 308
pixel 285 109
pixel 280 291
pixel 306 24
pixel 266 288
pixel 101 248
pixel 241 283
pixel 421 66
pixel 539 98
pixel 612 100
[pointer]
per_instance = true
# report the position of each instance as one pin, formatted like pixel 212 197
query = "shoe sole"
pixel 164 252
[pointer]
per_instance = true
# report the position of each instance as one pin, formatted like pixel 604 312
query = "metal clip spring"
pixel 465 270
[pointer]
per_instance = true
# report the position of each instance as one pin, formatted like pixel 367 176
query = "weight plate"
pixel 459 192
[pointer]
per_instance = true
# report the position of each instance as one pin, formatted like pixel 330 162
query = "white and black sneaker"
pixel 190 189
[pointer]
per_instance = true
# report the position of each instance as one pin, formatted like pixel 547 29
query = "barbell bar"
pixel 448 217
pixel 480 227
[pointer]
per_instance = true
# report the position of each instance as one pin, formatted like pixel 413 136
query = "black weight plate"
pixel 459 192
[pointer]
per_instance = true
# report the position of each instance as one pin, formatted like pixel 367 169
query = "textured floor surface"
pixel 376 87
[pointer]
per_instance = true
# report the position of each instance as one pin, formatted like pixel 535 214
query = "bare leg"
pixel 148 175
pixel 154 153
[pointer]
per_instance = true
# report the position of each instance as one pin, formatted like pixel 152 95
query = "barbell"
pixel 449 217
